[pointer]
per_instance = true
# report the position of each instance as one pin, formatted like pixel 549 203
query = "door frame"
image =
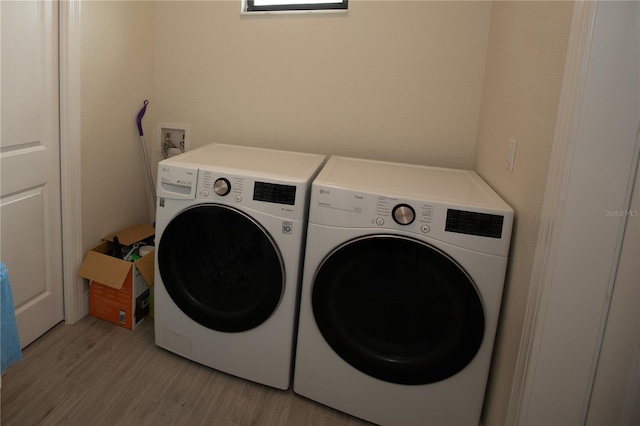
pixel 75 306
pixel 579 245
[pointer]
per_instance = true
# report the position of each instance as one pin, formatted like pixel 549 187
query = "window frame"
pixel 342 5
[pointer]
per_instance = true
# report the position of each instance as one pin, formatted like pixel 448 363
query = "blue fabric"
pixel 9 339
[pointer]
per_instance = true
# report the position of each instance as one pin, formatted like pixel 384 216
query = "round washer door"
pixel 221 268
pixel 398 309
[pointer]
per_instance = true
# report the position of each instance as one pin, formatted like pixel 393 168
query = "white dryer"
pixel 403 278
pixel 230 228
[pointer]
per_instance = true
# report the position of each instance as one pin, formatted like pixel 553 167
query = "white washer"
pixel 230 227
pixel 402 286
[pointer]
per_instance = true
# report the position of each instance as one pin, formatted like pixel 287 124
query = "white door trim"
pixel 70 159
pixel 592 168
pixel 571 95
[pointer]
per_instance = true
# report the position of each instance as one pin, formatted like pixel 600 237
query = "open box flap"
pixel 145 266
pixel 104 269
pixel 132 234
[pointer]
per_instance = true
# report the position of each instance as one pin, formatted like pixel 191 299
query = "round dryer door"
pixel 398 309
pixel 221 268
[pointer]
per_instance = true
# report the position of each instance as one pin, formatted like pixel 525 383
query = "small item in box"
pixel 120 289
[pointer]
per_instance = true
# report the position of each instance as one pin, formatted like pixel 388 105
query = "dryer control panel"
pixel 473 227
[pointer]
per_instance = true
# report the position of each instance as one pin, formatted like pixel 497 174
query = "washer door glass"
pixel 221 268
pixel 398 309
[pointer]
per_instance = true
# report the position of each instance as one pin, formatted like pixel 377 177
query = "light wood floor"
pixel 96 373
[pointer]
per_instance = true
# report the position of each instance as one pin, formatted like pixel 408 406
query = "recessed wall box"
pixel 172 138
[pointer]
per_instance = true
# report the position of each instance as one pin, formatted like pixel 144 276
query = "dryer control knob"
pixel 403 214
pixel 222 186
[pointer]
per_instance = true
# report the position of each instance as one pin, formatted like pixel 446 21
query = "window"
pixel 294 5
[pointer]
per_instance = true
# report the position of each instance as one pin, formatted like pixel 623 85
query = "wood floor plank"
pixel 95 373
pixel 106 391
pixel 39 407
pixel 107 355
pixel 65 411
pixel 186 388
pixel 59 351
pixel 217 397
pixel 44 360
pixel 277 407
pixel 163 412
pixel 139 399
pixel 249 405
pixel 300 410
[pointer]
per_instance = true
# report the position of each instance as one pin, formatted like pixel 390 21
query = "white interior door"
pixel 30 215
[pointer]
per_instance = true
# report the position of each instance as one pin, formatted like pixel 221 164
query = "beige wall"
pixel 437 83
pixel 393 80
pixel 116 73
pixel 522 80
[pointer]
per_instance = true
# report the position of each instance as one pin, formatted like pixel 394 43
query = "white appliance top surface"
pixel 408 180
pixel 251 160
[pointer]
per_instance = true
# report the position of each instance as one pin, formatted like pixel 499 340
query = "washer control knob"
pixel 403 214
pixel 221 186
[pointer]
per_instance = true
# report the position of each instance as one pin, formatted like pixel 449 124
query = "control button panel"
pixel 212 185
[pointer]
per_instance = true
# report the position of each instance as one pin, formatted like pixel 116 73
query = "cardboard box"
pixel 119 290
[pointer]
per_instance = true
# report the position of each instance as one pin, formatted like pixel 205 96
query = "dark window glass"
pixel 398 309
pixel 221 268
pixel 283 5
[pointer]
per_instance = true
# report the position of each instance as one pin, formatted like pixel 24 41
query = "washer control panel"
pixel 273 197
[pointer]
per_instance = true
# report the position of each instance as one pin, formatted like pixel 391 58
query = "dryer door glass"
pixel 221 268
pixel 398 309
